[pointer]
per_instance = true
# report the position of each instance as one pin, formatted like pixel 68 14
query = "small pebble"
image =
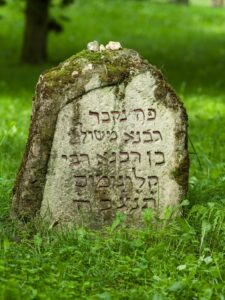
pixel 113 46
pixel 102 48
pixel 93 46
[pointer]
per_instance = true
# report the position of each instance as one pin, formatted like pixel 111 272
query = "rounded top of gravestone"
pixel 88 70
pixel 116 62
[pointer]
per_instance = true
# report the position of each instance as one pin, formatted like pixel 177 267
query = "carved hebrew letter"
pixel 124 116
pixel 107 117
pixel 158 133
pixel 142 179
pixel 126 159
pixel 120 181
pixel 94 113
pixel 129 180
pixel 162 160
pixel 81 181
pixel 112 135
pixel 83 132
pixel 99 135
pixel 102 160
pixel 129 136
pixel 86 156
pixel 139 113
pixel 130 203
pixel 138 155
pixel 74 160
pixel 105 204
pixel 149 139
pixel 138 138
pixel 149 158
pixel 115 115
pixel 113 158
pixel 153 182
pixel 151 114
pixel 121 204
pixel 103 182
pixel 134 204
pixel 91 133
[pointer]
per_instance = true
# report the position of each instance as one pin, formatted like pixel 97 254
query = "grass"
pixel 183 258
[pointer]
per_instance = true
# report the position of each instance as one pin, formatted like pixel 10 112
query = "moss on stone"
pixel 181 173
pixel 119 72
pixel 117 64
pixel 94 57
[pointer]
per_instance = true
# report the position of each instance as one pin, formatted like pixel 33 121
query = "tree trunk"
pixel 34 48
pixel 217 3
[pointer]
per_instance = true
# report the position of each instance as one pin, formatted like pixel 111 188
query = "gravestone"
pixel 107 135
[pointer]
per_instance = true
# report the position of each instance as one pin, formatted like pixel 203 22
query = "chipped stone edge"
pixel 64 84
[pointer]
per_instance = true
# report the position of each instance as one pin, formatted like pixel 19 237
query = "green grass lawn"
pixel 183 258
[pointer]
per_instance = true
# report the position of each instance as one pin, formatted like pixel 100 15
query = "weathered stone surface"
pixel 107 134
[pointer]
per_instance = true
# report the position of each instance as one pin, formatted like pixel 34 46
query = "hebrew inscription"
pixel 111 155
